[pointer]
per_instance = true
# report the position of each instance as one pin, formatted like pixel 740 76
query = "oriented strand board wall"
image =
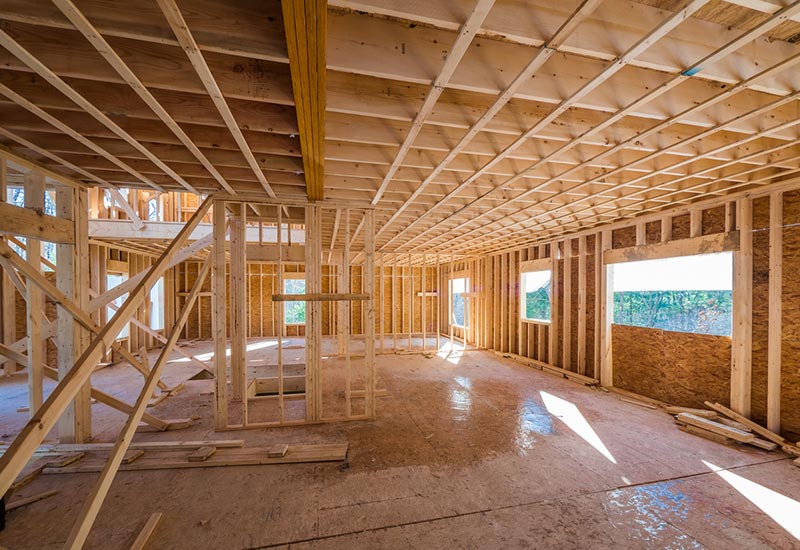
pixel 790 352
pixel 675 367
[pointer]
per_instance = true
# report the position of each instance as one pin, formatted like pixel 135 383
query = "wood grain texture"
pixel 675 367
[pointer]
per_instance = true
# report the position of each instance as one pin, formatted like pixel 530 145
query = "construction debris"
pixel 725 426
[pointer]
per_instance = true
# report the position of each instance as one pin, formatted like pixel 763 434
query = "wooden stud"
pixel 606 292
pixel 34 198
pixel 566 362
pixel 741 371
pixel 582 312
pixel 775 330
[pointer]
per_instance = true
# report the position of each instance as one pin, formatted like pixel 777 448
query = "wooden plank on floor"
pixel 146 532
pixel 223 457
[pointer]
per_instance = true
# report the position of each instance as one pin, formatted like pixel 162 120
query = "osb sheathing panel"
pixel 681 226
pixel 714 220
pixel 790 351
pixel 591 369
pixel 760 308
pixel 675 367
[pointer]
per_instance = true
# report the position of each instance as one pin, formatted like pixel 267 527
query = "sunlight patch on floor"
pixel 250 347
pixel 570 415
pixel 783 510
pixel 452 353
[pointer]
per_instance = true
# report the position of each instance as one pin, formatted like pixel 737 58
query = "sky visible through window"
pixel 685 294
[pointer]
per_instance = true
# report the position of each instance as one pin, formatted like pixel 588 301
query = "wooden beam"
pixel 775 325
pixel 615 66
pixel 34 432
pixel 524 76
pixel 306 24
pixel 707 244
pixel 8 310
pixel 741 369
pixel 72 274
pixel 104 48
pixel 606 313
pixel 456 52
pixel 10 258
pixel 90 509
pixel 34 201
pixel 219 323
pixel 321 297
pixel 126 286
pixel 146 532
pixel 33 223
pixel 238 307
pixel 37 66
pixel 181 30
pixel 582 302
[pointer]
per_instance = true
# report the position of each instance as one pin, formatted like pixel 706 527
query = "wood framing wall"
pixel 401 286
pixel 755 370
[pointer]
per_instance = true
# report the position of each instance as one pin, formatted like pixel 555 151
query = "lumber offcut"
pixel 715 427
pixel 223 457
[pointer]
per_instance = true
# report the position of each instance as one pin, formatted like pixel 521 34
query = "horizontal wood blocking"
pixel 708 244
pixel 26 222
pixel 542 264
pixel 319 297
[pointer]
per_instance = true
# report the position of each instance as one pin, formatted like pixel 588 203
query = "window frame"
pixel 119 301
pixel 451 313
pixel 293 277
pixel 535 266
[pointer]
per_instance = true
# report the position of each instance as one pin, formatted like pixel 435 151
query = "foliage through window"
pixel 459 316
pixel 536 289
pixel 294 313
pixel 684 294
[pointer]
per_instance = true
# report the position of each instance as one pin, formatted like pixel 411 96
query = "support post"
pixel 741 371
pixel 218 318
pixel 775 312
pixel 24 445
pixel 72 278
pixel 606 317
pixel 34 198
pixel 369 288
pixel 8 302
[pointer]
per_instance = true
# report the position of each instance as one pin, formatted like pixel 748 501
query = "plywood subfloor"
pixel 464 454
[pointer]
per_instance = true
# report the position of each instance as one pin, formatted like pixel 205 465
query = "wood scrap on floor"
pixel 131 455
pixel 146 532
pixel 59 448
pixel 277 451
pixel 721 424
pixel 715 427
pixel 29 500
pixel 640 403
pixel 201 454
pixel 64 460
pixel 248 456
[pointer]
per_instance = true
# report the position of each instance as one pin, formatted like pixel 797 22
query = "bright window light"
pixel 157 305
pixel 459 314
pixel 294 313
pixel 536 289
pixel 112 280
pixel 684 294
